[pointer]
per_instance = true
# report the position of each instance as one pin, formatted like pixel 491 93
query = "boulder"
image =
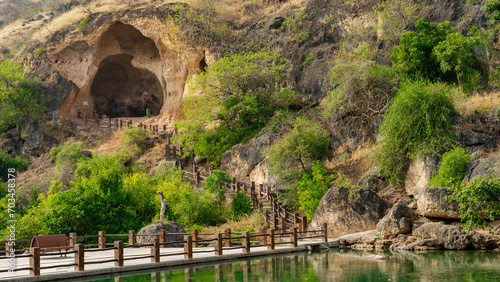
pixel 483 168
pixel 420 172
pixel 471 138
pixel 365 237
pixel 240 160
pixel 398 220
pixel 431 202
pixel 276 23
pixel 38 143
pixel 347 213
pixel 168 226
pixel 370 180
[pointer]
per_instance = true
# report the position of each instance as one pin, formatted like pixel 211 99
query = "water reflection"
pixel 344 265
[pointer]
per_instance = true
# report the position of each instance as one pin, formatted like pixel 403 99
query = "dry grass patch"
pixel 251 222
pixel 478 103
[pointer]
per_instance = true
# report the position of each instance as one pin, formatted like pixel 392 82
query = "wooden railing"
pixel 220 242
pixel 115 124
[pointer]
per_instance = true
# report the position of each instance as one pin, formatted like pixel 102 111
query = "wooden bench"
pixel 51 243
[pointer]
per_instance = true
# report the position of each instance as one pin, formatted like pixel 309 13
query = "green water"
pixel 343 265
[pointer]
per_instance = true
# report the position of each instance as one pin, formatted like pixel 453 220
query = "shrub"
pixel 216 184
pixel 135 140
pixel 240 205
pixel 312 187
pixel 492 10
pixel 68 155
pixel 478 202
pixel 362 89
pixel 305 144
pixel 452 169
pixel 20 98
pixel 292 26
pixel 83 23
pixel 395 16
pixel 7 161
pixel 419 122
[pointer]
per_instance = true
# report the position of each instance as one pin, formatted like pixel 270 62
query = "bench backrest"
pixel 48 241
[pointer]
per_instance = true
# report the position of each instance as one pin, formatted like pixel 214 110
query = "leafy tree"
pixel 312 187
pixel 455 54
pixel 452 169
pixel 437 52
pixel 240 93
pixel 7 161
pixel 306 143
pixel 217 183
pixel 478 202
pixel 492 10
pixel 20 97
pixel 419 122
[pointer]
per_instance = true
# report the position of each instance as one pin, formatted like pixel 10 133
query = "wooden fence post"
pixel 293 238
pixel 102 239
pixel 7 247
pixel 163 236
pixel 325 230
pixel 246 242
pixel 304 223
pixel 275 220
pixel 188 247
pixel 79 257
pixel 261 191
pixel 35 261
pixel 227 234
pixel 271 240
pixel 194 234
pixel 72 239
pixel 119 253
pixel 155 250
pixel 263 239
pixel 131 237
pixel 218 244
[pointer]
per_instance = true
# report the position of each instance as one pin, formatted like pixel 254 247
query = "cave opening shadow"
pixel 121 90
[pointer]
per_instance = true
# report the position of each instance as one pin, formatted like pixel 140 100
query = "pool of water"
pixel 343 265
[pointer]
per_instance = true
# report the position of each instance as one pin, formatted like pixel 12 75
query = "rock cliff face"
pixel 345 213
pixel 119 65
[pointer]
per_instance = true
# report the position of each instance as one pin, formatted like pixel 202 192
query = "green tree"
pixel 20 97
pixel 478 202
pixel 492 10
pixel 7 161
pixel 240 205
pixel 305 144
pixel 418 123
pixel 312 187
pixel 240 93
pixel 452 169
pixel 217 183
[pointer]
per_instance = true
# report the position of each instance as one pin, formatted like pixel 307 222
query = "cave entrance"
pixel 121 90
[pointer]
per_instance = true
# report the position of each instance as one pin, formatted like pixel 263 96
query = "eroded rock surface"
pixel 168 226
pixel 432 202
pixel 398 220
pixel 345 213
pixel 420 172
pixel 482 168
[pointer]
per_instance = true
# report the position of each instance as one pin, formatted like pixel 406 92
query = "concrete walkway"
pixel 139 264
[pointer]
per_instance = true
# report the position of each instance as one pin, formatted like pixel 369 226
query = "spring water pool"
pixel 342 265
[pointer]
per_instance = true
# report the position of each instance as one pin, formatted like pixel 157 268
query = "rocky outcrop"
pixel 398 220
pixel 38 143
pixel 155 227
pixel 240 160
pixel 420 172
pixel 345 213
pixel 435 236
pixel 483 168
pixel 370 180
pixel 472 138
pixel 432 202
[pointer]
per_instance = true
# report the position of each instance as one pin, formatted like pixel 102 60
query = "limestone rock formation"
pixel 420 172
pixel 483 168
pixel 398 220
pixel 240 160
pixel 365 237
pixel 155 227
pixel 431 202
pixel 370 180
pixel 346 214
pixel 450 237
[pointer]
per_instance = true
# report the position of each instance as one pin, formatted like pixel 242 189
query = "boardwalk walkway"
pixel 135 265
